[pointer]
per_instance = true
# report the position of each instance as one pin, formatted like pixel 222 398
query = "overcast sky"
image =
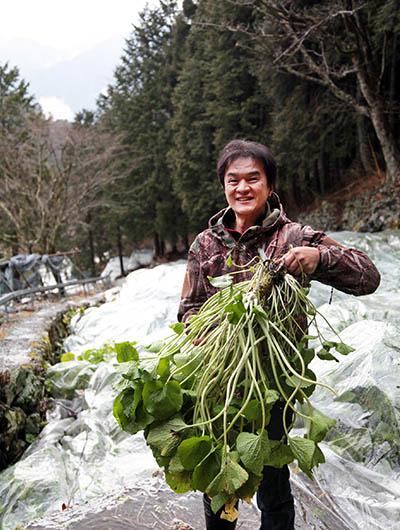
pixel 68 26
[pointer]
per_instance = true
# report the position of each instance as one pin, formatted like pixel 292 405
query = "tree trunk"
pixel 321 172
pixel 186 242
pixel 315 177
pixel 392 85
pixel 382 128
pixel 120 250
pixel 157 247
pixel 390 152
pixel 363 147
pixel 162 247
pixel 91 248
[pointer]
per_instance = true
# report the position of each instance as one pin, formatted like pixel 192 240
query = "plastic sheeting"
pixel 82 453
pixel 31 270
pixel 146 304
pixel 138 258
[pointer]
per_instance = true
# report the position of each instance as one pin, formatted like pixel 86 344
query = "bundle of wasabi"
pixel 204 396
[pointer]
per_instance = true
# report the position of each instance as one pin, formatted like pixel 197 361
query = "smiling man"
pixel 255 222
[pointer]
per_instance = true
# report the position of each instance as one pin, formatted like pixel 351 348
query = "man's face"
pixel 246 187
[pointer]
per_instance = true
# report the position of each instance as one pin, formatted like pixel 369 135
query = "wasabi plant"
pixel 204 397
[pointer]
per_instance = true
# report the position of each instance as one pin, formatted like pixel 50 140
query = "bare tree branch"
pixel 52 176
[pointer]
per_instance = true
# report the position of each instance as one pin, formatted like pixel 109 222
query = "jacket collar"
pixel 274 217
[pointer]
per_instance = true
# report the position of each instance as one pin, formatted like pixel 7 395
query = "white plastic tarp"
pixel 82 453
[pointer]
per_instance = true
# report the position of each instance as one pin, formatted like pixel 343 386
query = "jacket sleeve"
pixel 193 291
pixel 346 269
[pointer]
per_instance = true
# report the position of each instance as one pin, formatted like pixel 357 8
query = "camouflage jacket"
pixel 346 269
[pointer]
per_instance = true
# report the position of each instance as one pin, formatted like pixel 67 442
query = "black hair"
pixel 242 149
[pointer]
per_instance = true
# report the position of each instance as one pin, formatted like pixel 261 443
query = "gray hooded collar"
pixel 274 216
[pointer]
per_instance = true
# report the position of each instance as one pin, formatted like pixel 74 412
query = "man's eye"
pixel 232 181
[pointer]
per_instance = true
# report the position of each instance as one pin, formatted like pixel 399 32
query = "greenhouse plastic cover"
pixel 82 454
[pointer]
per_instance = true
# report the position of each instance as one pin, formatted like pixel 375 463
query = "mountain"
pixel 76 81
pixel 28 55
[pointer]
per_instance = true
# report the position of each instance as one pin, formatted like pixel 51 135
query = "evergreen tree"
pixel 138 106
pixel 16 106
pixel 15 101
pixel 218 98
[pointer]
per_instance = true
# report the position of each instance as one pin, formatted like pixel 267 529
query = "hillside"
pixel 365 205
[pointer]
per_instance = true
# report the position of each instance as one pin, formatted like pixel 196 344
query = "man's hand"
pixel 301 260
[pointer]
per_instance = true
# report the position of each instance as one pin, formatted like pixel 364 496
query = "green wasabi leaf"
pixel 155 346
pixel 193 450
pixel 166 436
pixel 234 455
pixel 162 400
pixel 126 352
pixel 252 411
pixel 162 461
pixel 178 327
pixel 97 355
pixel 219 500
pixel 179 482
pixel 326 355
pixel 303 450
pixel 125 406
pixel 175 465
pixel 310 389
pixel 148 369
pixel 270 397
pixel 252 449
pixel 130 371
pixel 307 354
pixel 68 356
pixel 221 282
pixel 163 368
pixel 187 361
pixel 318 457
pixel 229 479
pixel 280 454
pixel 249 488
pixel 319 425
pixel 229 261
pixel 235 310
pixel 205 472
pixel 343 348
pixel 143 418
pixel 306 338
pixel 328 344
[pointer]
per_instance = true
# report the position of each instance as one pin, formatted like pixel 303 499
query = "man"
pixel 254 220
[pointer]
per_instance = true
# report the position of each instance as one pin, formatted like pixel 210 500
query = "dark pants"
pixel 274 497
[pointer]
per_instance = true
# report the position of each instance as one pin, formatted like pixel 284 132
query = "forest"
pixel 317 81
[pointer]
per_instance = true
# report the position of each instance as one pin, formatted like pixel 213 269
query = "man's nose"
pixel 243 185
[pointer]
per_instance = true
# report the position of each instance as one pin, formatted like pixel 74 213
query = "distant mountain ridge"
pixel 77 81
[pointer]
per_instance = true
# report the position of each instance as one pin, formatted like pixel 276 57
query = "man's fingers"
pixel 301 260
pixel 292 262
pixel 289 258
